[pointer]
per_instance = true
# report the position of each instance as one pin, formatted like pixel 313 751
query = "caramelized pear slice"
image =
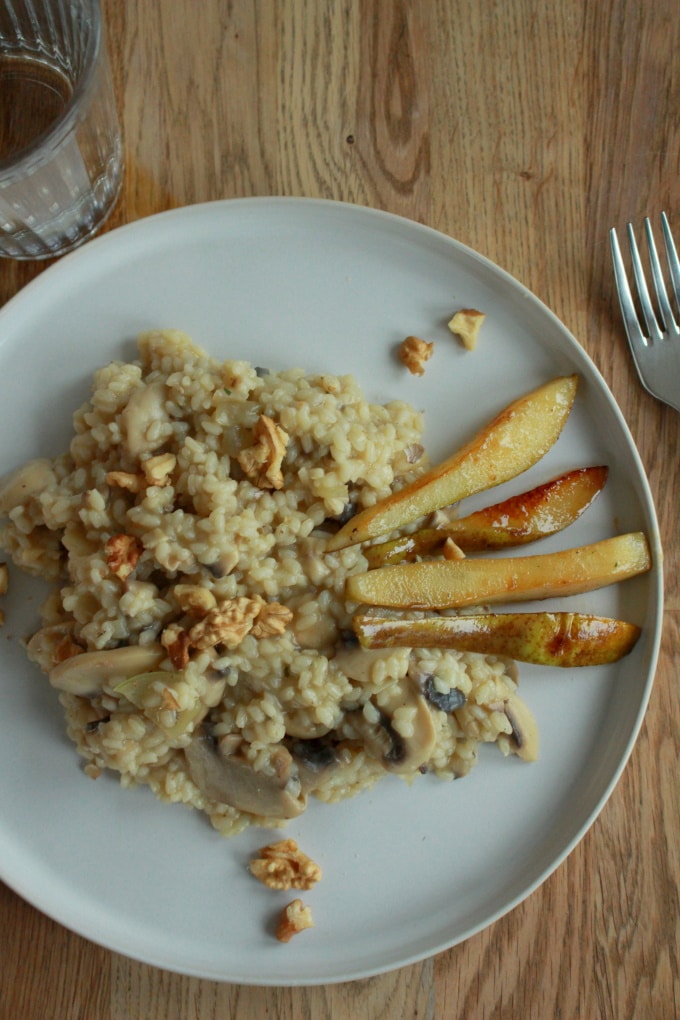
pixel 451 584
pixel 547 639
pixel 535 514
pixel 516 438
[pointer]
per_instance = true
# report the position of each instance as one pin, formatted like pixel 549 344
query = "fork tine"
pixel 659 285
pixel 656 353
pixel 653 329
pixel 672 255
pixel 635 335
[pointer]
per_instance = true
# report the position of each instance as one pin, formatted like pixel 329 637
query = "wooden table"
pixel 525 129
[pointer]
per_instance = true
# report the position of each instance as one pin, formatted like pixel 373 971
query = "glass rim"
pixel 41 149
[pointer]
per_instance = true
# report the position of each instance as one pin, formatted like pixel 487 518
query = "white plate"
pixel 408 871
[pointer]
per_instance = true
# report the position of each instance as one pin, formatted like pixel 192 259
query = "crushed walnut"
pixel 414 352
pixel 227 624
pixel 452 551
pixel 65 649
pixel 262 461
pixel 272 620
pixel 158 470
pixel 283 865
pixel 177 643
pixel 122 554
pixel 125 480
pixel 466 325
pixel 168 700
pixel 294 919
pixel 194 599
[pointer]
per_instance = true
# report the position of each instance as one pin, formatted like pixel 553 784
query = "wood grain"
pixel 525 130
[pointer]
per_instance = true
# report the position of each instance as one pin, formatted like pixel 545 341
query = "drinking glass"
pixel 61 161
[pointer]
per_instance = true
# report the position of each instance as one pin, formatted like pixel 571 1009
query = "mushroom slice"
pixel 315 760
pixel 228 779
pixel 359 664
pixel 524 739
pixel 403 735
pixel 86 674
pixel 28 480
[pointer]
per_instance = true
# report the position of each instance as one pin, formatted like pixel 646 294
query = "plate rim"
pixel 119 236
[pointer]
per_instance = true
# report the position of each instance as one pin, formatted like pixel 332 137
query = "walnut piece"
pixel 194 599
pixel 414 352
pixel 294 919
pixel 157 470
pixel 227 624
pixel 125 480
pixel 283 865
pixel 272 620
pixel 177 643
pixel 169 702
pixel 262 461
pixel 466 324
pixel 122 554
pixel 66 649
pixel 2 618
pixel 452 551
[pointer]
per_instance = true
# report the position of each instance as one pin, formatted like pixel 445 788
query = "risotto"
pixel 197 632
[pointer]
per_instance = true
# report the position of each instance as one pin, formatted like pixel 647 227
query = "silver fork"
pixel 656 349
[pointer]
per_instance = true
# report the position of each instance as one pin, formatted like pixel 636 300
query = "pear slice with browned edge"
pixel 547 639
pixel 515 440
pixel 525 518
pixel 451 584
